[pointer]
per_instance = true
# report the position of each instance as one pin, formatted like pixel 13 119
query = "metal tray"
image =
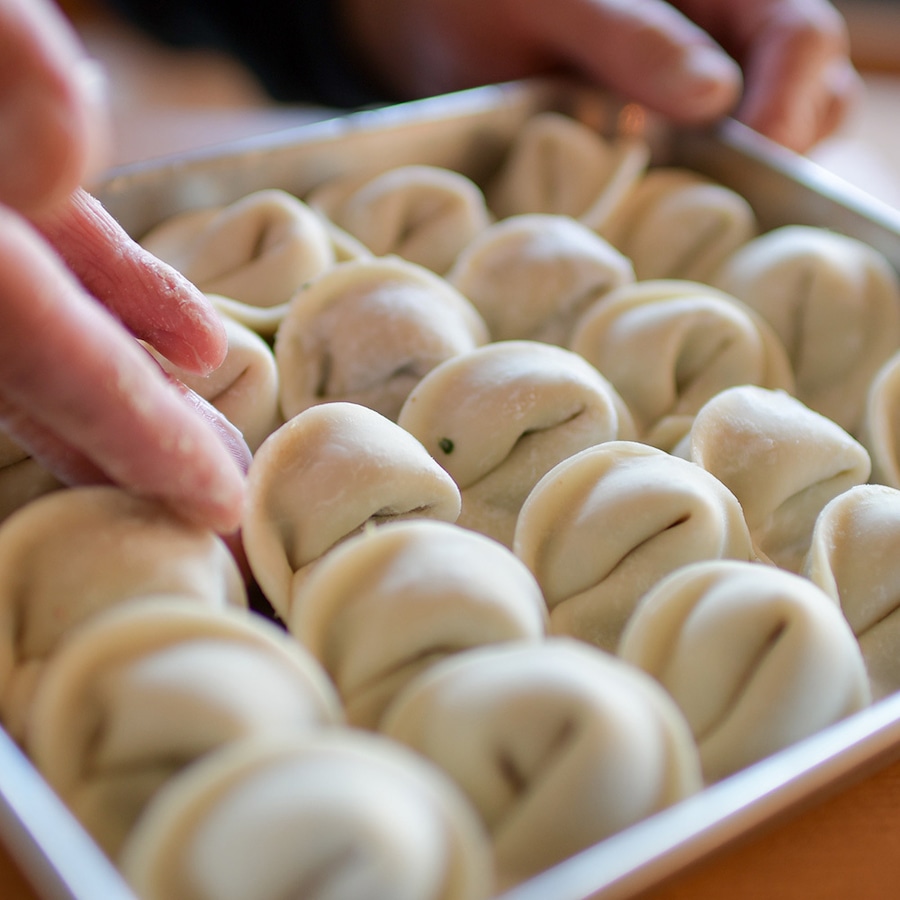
pixel 469 132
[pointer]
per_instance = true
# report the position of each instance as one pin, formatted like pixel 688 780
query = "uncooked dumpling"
pixel 323 476
pixel 853 557
pixel 499 417
pixel 556 743
pixel 341 815
pixel 835 303
pixel 602 527
pixel 143 690
pixel 396 599
pixel 880 429
pixel 756 658
pixel 782 460
pixel 531 276
pixel 367 331
pixel 668 346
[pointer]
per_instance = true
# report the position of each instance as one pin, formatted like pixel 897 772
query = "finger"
pixel 154 301
pixel 54 129
pixel 81 377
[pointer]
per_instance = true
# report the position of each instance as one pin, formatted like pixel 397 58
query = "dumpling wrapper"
pixel 557 744
pixel 561 166
pixel 667 346
pixel 325 475
pixel 424 214
pixel 880 428
pixel 142 691
pixel 342 814
pixel 253 253
pixel 835 303
pixel 853 557
pixel 394 600
pixel 499 417
pixel 532 276
pixel 757 658
pixel 782 460
pixel 604 526
pixel 22 477
pixel 73 553
pixel 367 331
pixel 675 223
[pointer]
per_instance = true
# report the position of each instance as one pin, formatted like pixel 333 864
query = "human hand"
pixel 782 66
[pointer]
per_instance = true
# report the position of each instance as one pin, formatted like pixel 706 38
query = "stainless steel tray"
pixel 469 132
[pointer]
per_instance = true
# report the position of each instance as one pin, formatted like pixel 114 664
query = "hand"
pixel 788 73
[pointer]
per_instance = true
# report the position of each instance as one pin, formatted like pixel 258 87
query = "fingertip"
pixel 702 84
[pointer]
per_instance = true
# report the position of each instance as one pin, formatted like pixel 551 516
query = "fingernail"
pixel 93 85
pixel 707 83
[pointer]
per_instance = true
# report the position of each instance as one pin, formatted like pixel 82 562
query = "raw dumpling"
pixel 244 388
pixel 342 814
pixel 323 476
pixel 854 558
pixel 668 346
pixel 783 462
pixel 561 166
pixel 835 303
pixel 72 553
pixel 367 331
pixel 143 690
pixel 425 214
pixel 394 600
pixel 756 658
pixel 254 253
pixel 499 417
pixel 880 430
pixel 602 527
pixel 675 223
pixel 556 743
pixel 22 478
pixel 531 276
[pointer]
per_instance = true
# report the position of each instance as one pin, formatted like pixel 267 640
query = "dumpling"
pixel 602 527
pixel 325 475
pixel 141 691
pixel 22 478
pixel 557 744
pixel 425 214
pixel 499 417
pixel 253 253
pixel 559 165
pixel 668 346
pixel 880 429
pixel 531 276
pixel 853 556
pixel 675 223
pixel 782 460
pixel 244 388
pixel 342 814
pixel 756 658
pixel 75 552
pixel 396 599
pixel 367 331
pixel 835 303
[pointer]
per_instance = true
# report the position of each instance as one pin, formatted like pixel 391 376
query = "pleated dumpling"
pixel 557 744
pixel 670 345
pixel 531 276
pixel 72 553
pixel 559 165
pixel 880 429
pixel 835 303
pixel 367 331
pixel 675 223
pixel 757 658
pixel 425 214
pixel 499 417
pixel 854 558
pixel 325 475
pixel 244 388
pixel 342 814
pixel 142 691
pixel 22 477
pixel 602 527
pixel 394 600
pixel 253 253
pixel 782 460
